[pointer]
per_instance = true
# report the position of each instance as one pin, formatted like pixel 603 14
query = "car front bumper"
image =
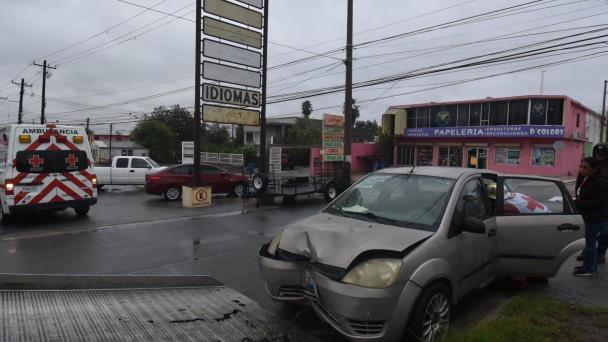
pixel 358 313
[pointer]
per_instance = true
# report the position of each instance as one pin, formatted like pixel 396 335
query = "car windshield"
pixel 410 201
pixel 153 163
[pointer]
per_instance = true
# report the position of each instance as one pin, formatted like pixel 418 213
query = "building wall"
pixel 358 153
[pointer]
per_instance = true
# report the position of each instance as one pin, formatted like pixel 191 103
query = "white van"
pixel 45 168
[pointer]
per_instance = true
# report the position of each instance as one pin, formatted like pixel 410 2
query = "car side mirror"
pixel 149 166
pixel 473 225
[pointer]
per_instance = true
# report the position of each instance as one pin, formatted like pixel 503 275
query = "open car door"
pixel 538 226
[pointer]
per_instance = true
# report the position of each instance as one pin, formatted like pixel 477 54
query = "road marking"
pixel 15 237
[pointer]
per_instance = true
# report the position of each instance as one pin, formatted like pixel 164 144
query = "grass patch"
pixel 540 319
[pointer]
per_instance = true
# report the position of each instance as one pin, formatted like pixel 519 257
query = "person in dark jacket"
pixel 600 154
pixel 592 202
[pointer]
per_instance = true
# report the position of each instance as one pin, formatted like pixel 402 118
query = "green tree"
pixel 216 138
pixel 305 132
pixel 306 109
pixel 239 138
pixel 355 111
pixel 155 136
pixel 365 130
pixel 180 121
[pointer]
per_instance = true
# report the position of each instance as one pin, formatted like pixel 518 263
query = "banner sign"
pixel 232 54
pixel 333 137
pixel 487 131
pixel 233 33
pixel 229 10
pixel 231 115
pixel 231 96
pixel 226 73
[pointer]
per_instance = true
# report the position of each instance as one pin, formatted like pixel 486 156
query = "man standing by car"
pixel 600 154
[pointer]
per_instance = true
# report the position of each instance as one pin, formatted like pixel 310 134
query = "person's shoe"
pixel 580 257
pixel 601 259
pixel 581 272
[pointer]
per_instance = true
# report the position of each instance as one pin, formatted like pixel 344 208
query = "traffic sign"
pixel 230 53
pixel 233 33
pixel 231 11
pixel 226 73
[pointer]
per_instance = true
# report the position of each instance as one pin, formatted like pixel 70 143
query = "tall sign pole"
pixel 196 170
pixel 348 102
pixel 263 155
pixel 603 120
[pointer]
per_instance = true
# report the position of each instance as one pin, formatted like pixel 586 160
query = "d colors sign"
pixel 487 131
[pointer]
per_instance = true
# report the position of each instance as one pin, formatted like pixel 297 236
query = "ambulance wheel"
pixel 173 193
pixel 5 219
pixel 82 211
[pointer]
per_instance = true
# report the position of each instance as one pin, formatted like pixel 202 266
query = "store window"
pixel 423 117
pixel 450 156
pixel 475 116
pixel 518 112
pixel 443 116
pixel 424 155
pixel 538 112
pixel 405 155
pixel 543 156
pixel 411 118
pixel 555 112
pixel 463 115
pixel 498 113
pixel 485 114
pixel 507 155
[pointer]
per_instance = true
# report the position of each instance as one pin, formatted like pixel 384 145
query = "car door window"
pixel 137 163
pixel 472 202
pixel 533 197
pixel 183 170
pixel 122 163
pixel 207 170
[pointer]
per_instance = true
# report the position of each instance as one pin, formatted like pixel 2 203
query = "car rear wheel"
pixel 238 190
pixel 330 192
pixel 5 219
pixel 430 319
pixel 173 193
pixel 82 211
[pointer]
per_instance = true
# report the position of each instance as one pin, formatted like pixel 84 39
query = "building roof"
pixel 490 99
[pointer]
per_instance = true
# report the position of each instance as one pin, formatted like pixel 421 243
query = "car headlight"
pixel 274 244
pixel 375 273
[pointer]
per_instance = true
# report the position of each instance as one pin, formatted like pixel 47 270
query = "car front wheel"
pixel 430 319
pixel 173 193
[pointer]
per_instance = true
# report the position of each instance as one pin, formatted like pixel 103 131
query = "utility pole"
pixel 88 123
pixel 111 126
pixel 196 170
pixel 603 120
pixel 23 85
pixel 44 75
pixel 348 102
pixel 263 155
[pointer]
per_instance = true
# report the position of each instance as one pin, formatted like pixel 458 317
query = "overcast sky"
pixel 114 66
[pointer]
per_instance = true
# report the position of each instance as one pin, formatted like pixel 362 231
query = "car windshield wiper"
pixel 373 216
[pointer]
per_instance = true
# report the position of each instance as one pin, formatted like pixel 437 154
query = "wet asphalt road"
pixel 129 232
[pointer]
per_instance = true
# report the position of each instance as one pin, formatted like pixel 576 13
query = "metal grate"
pixel 366 327
pixel 178 314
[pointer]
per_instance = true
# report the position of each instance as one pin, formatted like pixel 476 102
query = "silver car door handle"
pixel 132 171
pixel 568 227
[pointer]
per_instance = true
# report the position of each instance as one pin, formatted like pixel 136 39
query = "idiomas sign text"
pixel 487 132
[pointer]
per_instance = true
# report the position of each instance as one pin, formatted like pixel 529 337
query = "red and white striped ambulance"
pixel 45 168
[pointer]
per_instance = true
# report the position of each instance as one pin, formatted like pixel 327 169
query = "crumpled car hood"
pixel 337 241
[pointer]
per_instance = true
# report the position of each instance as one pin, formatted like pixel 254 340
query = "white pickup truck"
pixel 126 171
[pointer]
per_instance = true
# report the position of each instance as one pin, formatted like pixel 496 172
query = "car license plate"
pixel 309 284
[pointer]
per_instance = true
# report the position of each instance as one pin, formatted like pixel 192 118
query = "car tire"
pixel 238 190
pixel 99 187
pixel 430 319
pixel 260 182
pixel 82 211
pixel 173 193
pixel 330 192
pixel 5 219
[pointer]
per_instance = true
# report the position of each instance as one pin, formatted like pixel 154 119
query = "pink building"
pixel 532 135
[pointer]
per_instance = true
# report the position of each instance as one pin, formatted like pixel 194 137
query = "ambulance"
pixel 45 167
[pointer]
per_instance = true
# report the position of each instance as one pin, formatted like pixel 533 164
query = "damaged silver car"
pixel 389 257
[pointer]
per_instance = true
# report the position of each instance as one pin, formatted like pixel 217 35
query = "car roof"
pixel 437 171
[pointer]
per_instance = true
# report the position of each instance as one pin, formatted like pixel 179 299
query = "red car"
pixel 168 182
